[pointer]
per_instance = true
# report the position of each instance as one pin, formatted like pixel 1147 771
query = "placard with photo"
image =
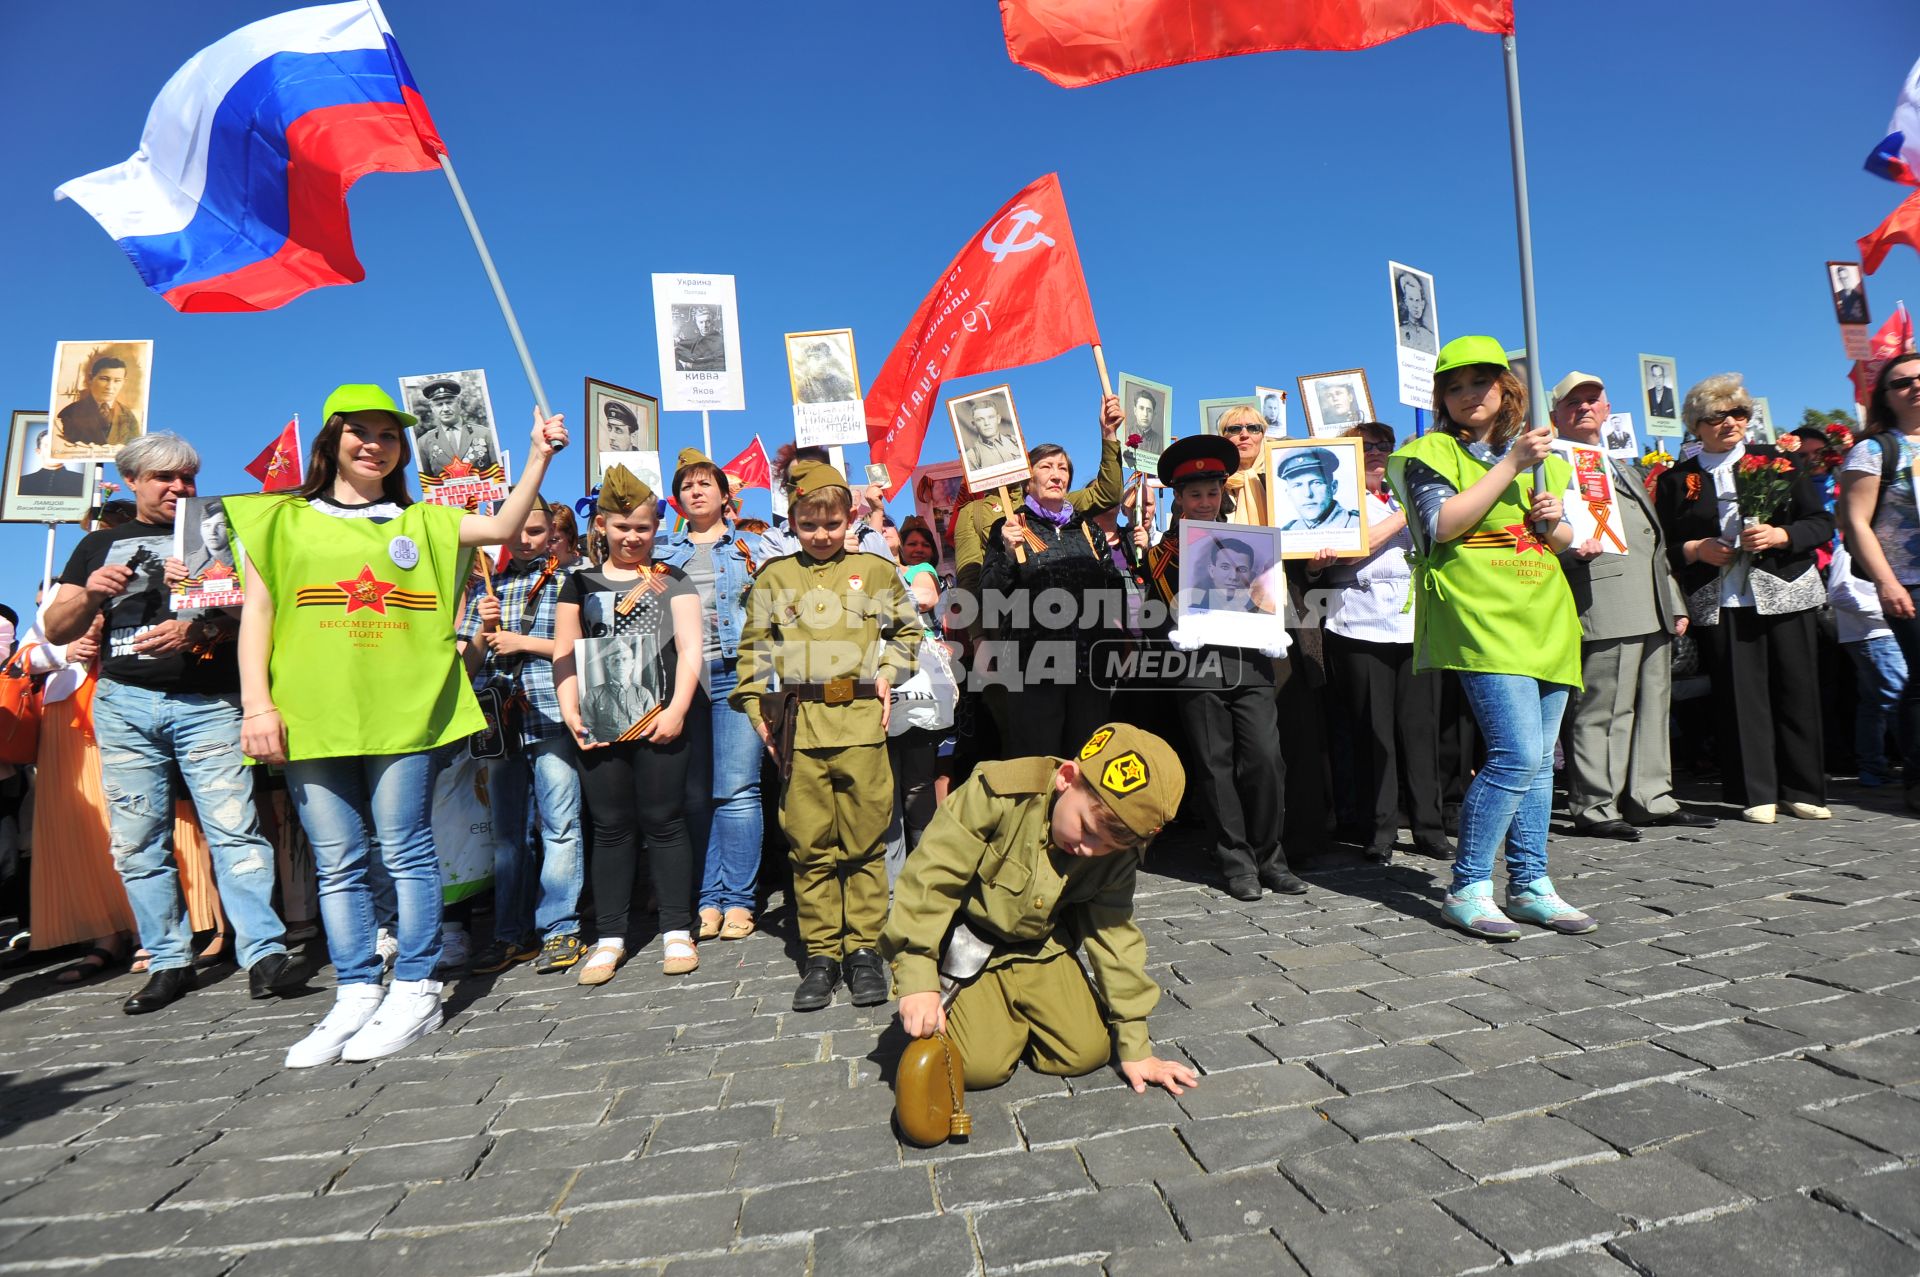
pixel 456 444
pixel 622 426
pixel 1316 488
pixel 1416 333
pixel 1589 500
pixel 1232 588
pixel 1334 401
pixel 992 449
pixel 1148 405
pixel 40 488
pixel 1617 434
pixel 1848 292
pixel 100 397
pixel 825 375
pixel 202 541
pixel 619 686
pixel 1659 390
pixel 697 325
pixel 1273 406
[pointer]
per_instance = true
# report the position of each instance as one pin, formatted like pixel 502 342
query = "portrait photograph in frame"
pixel 100 397
pixel 38 487
pixel 621 425
pixel 202 541
pixel 1148 406
pixel 1849 293
pixel 1315 491
pixel 1231 589
pixel 987 431
pixel 1660 392
pixel 1211 410
pixel 456 443
pixel 1334 401
pixel 824 374
pixel 1272 402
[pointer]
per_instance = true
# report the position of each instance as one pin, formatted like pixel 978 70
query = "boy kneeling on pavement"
pixel 1037 856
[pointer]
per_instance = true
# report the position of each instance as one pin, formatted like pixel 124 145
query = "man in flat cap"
pixel 1312 480
pixel 451 435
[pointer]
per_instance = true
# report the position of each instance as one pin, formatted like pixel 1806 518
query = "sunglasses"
pixel 1242 429
pixel 1731 414
pixel 1902 383
pixel 1379 447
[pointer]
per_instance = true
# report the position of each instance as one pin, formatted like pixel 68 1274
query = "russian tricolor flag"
pixel 1898 156
pixel 237 197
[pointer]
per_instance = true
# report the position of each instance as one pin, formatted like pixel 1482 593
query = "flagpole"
pixel 499 289
pixel 706 432
pixel 1529 320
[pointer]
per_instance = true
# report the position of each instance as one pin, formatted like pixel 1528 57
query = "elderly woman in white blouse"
pixel 1393 712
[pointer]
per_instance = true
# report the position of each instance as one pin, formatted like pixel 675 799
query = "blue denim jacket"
pixel 736 557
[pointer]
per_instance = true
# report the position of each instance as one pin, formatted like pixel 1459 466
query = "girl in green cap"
pixel 349 677
pixel 1491 602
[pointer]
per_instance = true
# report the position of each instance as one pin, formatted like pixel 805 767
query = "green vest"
pixel 1493 601
pixel 364 661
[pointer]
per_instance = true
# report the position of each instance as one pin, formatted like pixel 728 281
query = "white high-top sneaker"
pixel 410 1012
pixel 353 1006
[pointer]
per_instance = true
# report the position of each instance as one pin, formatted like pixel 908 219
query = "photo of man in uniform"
pixel 1338 405
pixel 450 432
pixel 49 477
pixel 1231 566
pixel 1146 416
pixel 1416 320
pixel 1311 477
pixel 1849 299
pixel 1660 391
pixel 1619 437
pixel 98 419
pixel 989 442
pixel 620 427
pixel 698 345
pixel 822 374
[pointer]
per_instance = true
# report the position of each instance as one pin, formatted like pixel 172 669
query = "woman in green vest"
pixel 350 678
pixel 1491 603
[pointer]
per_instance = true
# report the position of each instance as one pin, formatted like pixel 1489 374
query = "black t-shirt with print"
pixel 140 607
pixel 649 623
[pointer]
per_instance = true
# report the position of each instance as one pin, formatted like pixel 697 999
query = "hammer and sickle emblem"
pixel 1125 774
pixel 1021 217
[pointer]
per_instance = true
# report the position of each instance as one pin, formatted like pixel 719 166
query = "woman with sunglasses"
pixel 1752 590
pixel 1246 429
pixel 1882 525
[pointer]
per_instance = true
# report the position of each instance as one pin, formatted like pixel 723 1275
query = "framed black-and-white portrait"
pixel 622 426
pixel 41 488
pixel 1849 291
pixel 825 375
pixel 1272 402
pixel 202 541
pixel 1316 492
pixel 1659 390
pixel 1334 401
pixel 1416 326
pixel 101 395
pixel 1617 436
pixel 987 431
pixel 1231 591
pixel 456 444
pixel 1146 404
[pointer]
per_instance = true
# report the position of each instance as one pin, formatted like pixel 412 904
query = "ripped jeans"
pixel 143 736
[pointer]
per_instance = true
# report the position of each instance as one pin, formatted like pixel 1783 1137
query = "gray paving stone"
pixel 1073 1227
pixel 771 1261
pixel 1136 1157
pixel 1319 1037
pixel 1775 1156
pixel 1388 1066
pixel 1259 1253
pixel 1893 1061
pixel 337 1215
pixel 249 1180
pixel 1253 1090
pixel 71 1191
pixel 1645 1115
pixel 868 1197
pixel 616 1235
pixel 557 1110
pixel 1516 1147
pixel 416 1163
pixel 701 1130
pixel 1890 1201
pixel 1622 1066
pixel 1849 1019
pixel 1366 1175
pixel 1404 1110
pixel 1886 1120
pixel 1792 1235
pixel 1652 1188
pixel 1724 1045
pixel 986 1181
pixel 1230 1143
pixel 1242 1202
pixel 1532 1218
pixel 68 1241
pixel 1771 1087
pixel 1490 1049
pixel 1412 1238
pixel 1517 1088
pixel 938 1246
pixel 1068 1117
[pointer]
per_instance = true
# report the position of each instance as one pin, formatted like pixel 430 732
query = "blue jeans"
pixel 1511 798
pixel 736 823
pixel 143 736
pixel 544 772
pixel 338 799
pixel 1881 672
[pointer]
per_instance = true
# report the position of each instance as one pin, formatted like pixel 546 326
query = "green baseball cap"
pixel 345 399
pixel 1462 351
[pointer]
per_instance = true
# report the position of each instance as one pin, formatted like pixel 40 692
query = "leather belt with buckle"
pixel 839 691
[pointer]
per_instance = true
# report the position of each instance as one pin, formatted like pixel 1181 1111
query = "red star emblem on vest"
pixel 365 591
pixel 1524 540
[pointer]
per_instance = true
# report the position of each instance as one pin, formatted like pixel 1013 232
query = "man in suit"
pixel 700 346
pixel 1619 766
pixel 98 418
pixel 1849 303
pixel 51 478
pixel 1659 393
pixel 451 435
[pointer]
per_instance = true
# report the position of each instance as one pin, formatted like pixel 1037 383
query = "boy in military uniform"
pixel 1037 857
pixel 838 630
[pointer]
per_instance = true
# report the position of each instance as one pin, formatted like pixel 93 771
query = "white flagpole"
pixel 499 289
pixel 1529 321
pixel 706 432
pixel 46 573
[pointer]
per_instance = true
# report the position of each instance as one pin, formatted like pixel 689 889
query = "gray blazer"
pixel 1622 596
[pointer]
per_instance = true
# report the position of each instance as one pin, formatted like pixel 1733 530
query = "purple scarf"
pixel 1059 520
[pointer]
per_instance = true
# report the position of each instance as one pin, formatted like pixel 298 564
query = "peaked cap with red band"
pixel 1198 457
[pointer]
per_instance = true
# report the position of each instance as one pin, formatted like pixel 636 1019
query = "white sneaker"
pixel 456 952
pixel 353 1006
pixel 410 1012
pixel 386 946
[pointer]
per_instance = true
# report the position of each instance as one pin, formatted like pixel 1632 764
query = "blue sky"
pixel 1692 167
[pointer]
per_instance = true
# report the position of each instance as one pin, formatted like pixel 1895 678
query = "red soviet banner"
pixel 1014 295
pixel 1080 42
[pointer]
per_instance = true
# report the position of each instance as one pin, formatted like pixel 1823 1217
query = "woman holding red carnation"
pixel 1743 524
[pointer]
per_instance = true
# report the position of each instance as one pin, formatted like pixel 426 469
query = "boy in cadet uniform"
pixel 1037 857
pixel 838 630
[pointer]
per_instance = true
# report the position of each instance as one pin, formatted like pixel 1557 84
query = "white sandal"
pixel 601 963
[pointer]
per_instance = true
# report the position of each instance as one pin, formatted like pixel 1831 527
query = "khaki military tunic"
pixel 812 621
pixel 987 859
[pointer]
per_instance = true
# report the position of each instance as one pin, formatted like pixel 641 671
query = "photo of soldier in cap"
pixel 624 427
pixel 1147 404
pixel 99 397
pixel 456 429
pixel 699 341
pixel 988 432
pixel 1311 482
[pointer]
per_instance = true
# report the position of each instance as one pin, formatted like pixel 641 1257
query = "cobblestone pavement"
pixel 1724 1079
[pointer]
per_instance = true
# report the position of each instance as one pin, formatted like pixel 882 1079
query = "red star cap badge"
pixel 366 591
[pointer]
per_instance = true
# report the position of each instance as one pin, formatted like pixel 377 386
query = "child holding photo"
pixel 1492 603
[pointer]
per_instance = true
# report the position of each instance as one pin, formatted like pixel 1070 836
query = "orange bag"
pixel 19 711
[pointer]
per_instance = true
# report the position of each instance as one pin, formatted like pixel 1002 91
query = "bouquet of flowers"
pixel 1839 443
pixel 1761 485
pixel 1655 462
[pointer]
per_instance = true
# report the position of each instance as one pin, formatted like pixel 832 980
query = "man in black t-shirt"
pixel 169 698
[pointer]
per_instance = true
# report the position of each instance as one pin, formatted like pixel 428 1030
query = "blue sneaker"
pixel 1473 911
pixel 1539 903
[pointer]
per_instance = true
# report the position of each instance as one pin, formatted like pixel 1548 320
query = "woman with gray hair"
pixel 1752 590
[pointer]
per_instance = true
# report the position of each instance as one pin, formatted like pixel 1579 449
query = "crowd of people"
pixel 944 753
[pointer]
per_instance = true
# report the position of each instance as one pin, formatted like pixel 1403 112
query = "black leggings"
pixel 639 791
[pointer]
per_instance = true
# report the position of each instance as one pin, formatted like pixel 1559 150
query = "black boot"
pixel 818 979
pixel 866 978
pixel 1281 879
pixel 1245 887
pixel 275 976
pixel 163 990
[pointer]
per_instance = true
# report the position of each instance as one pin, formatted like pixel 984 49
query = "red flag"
pixel 1901 227
pixel 1014 295
pixel 750 469
pixel 1080 42
pixel 278 467
pixel 1894 338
